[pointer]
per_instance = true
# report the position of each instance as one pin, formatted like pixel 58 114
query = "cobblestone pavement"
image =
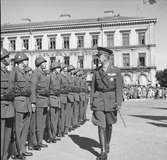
pixel 145 137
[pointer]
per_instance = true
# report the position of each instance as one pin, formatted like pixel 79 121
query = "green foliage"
pixel 162 77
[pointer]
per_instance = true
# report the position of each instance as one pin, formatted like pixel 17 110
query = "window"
pixel 67 60
pixel 52 59
pixel 142 57
pixel 95 60
pixel 80 43
pixel 125 39
pixel 12 45
pixel 66 43
pixel 110 40
pixel 141 38
pixel 38 43
pixel 126 59
pixel 52 43
pixel 95 40
pixel 25 44
pixel 81 61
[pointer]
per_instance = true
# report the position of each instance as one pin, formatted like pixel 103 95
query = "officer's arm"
pixel 92 89
pixel 119 88
pixel 34 81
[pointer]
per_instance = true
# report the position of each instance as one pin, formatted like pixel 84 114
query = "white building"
pixel 132 40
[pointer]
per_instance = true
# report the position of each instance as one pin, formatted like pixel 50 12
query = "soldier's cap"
pixel 39 60
pixel 27 69
pixel 55 65
pixel 19 57
pixel 4 53
pixel 102 50
pixel 70 68
pixel 63 66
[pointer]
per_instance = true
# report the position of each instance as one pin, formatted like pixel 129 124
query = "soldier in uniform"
pixel 106 98
pixel 70 99
pixel 22 103
pixel 76 99
pixel 54 99
pixel 40 98
pixel 82 97
pixel 63 98
pixel 7 109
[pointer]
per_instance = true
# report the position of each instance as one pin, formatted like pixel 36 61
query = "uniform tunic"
pixel 106 94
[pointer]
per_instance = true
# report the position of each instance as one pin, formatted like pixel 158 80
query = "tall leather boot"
pixel 108 137
pixel 102 139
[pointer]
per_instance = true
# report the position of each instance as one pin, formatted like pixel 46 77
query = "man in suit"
pixel 106 98
pixel 22 103
pixel 40 98
pixel 7 109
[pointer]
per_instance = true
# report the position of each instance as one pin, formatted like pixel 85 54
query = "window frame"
pixel 125 40
pixel 27 43
pixel 81 65
pixel 142 55
pixel 67 59
pixel 11 48
pixel 82 41
pixel 64 44
pixel 95 45
pixel 38 48
pixel 52 43
pixel 126 59
pixel 112 39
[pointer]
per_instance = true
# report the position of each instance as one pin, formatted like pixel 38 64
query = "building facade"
pixel 132 40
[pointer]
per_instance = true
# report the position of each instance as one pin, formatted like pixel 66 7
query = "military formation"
pixel 40 104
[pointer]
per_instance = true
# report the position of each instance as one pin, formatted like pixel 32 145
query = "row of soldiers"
pixel 38 105
pixel 140 92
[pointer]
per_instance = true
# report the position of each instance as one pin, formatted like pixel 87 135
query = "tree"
pixel 162 77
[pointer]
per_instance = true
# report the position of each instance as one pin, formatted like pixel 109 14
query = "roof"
pixel 76 23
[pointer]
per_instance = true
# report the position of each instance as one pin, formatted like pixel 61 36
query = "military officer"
pixel 106 98
pixel 22 103
pixel 54 99
pixel 7 109
pixel 40 98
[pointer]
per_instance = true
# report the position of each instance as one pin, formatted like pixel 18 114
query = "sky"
pixel 12 11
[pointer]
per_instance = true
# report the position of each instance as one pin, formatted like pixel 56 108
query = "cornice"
pixel 77 24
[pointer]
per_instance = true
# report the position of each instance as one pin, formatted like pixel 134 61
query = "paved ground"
pixel 145 137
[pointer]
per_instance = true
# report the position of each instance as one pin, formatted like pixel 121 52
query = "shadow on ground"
pixel 159 108
pixel 150 117
pixel 158 124
pixel 86 143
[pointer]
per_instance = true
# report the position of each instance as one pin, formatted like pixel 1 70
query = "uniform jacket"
pixel 64 88
pixel 82 93
pixel 22 86
pixel 76 86
pixel 40 88
pixel 107 88
pixel 7 108
pixel 70 96
pixel 54 88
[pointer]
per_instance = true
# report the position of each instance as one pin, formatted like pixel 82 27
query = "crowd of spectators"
pixel 143 92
